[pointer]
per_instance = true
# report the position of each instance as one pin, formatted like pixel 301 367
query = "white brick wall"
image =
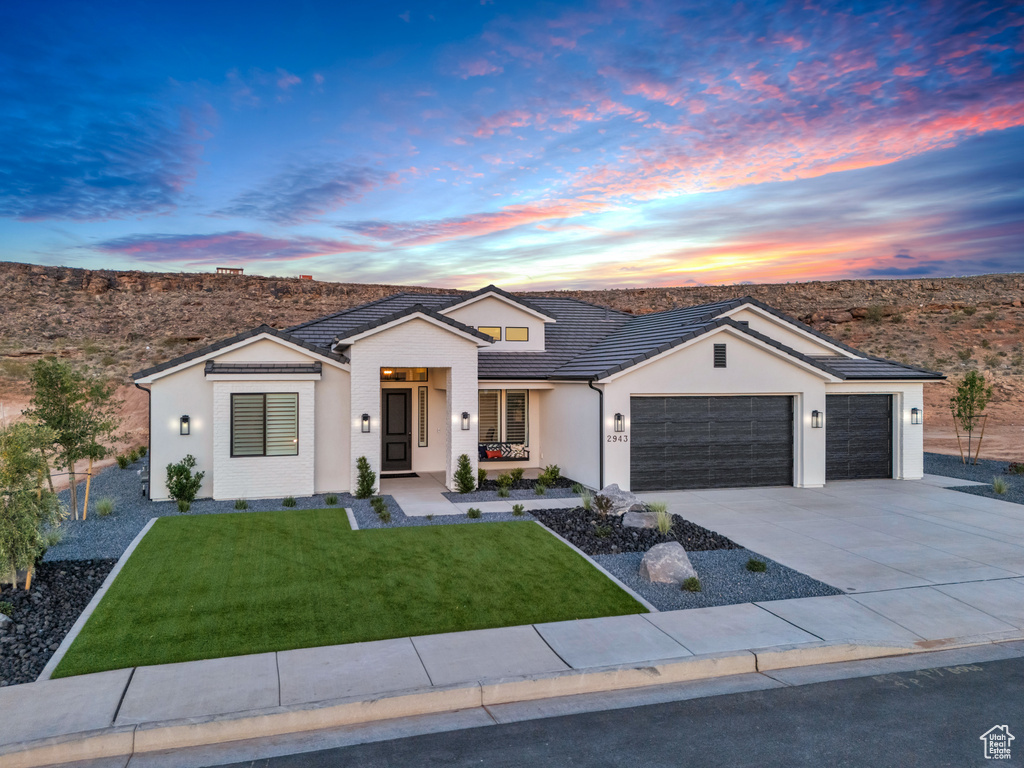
pixel 256 477
pixel 414 344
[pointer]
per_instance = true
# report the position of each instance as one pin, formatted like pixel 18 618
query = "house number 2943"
pixel 618 438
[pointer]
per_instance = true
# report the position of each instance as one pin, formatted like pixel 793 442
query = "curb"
pixel 126 740
pixel 69 638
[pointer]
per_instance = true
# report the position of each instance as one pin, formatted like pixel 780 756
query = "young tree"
pixel 967 404
pixel 26 506
pixel 79 410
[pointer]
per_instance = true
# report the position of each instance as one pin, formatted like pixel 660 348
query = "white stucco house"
pixel 730 394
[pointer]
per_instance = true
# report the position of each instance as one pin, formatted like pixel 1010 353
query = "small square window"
pixel 719 355
pixel 494 331
pixel 517 334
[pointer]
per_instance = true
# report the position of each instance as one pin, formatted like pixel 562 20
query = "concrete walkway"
pixel 423 495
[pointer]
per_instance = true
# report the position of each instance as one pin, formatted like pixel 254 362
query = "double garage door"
pixel 734 442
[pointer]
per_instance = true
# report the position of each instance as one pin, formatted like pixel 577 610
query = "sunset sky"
pixel 533 145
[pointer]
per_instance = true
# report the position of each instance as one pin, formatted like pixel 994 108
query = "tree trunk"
pixel 88 482
pixel 74 490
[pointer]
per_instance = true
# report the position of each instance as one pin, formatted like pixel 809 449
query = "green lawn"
pixel 223 585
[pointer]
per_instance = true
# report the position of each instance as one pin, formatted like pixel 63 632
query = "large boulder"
pixel 622 501
pixel 639 520
pixel 667 564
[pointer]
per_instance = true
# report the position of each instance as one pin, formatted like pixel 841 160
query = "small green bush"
pixel 473 512
pixel 367 479
pixel 603 531
pixel 241 504
pixel 331 499
pixel 481 476
pixel 969 310
pixel 288 501
pixel 986 344
pixel 517 474
pixel 503 491
pixel 990 317
pixel 430 517
pixel 6 608
pixel 143 450
pixel 104 507
pixel 587 499
pixel 757 566
pixel 664 519
pixel 133 455
pixel 999 485
pixel 1016 468
pixel 52 537
pixel 550 475
pixel 184 506
pixel 518 510
pixel 182 485
pixel 122 461
pixel 577 488
pixel 964 354
pixel 875 314
pixel 603 505
pixel 539 488
pixel 464 480
pixel 692 584
pixel 505 480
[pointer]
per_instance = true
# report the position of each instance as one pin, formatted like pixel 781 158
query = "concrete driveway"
pixel 868 535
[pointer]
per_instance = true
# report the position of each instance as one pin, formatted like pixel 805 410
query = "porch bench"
pixel 509 452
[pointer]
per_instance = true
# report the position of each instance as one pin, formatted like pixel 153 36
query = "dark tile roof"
pixel 529 304
pixel 174 362
pixel 414 309
pixel 853 368
pixel 261 368
pixel 323 331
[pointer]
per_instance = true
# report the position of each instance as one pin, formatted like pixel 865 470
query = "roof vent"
pixel 719 355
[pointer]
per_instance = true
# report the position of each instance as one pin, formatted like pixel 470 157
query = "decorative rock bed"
pixel 982 472
pixel 518 491
pixel 605 536
pixel 43 615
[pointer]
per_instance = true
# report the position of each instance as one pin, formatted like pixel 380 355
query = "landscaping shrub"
pixel 241 504
pixel 6 608
pixel 1016 468
pixel 539 488
pixel 52 537
pixel 577 488
pixel 999 485
pixel 505 480
pixel 182 485
pixel 664 519
pixel 473 512
pixel 603 505
pixel 183 506
pixel 481 476
pixel 550 475
pixel 692 584
pixel 104 507
pixel 367 479
pixel 517 474
pixel 757 566
pixel 587 499
pixel 288 501
pixel 122 461
pixel 518 510
pixel 464 480
pixel 133 455
pixel 603 531
pixel 331 499
pixel 381 508
pixel 503 491
pixel 143 450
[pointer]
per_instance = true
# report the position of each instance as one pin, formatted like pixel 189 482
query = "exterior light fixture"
pixel 465 419
pixel 366 422
pixel 817 419
pixel 916 416
pixel 184 428
pixel 387 371
pixel 620 422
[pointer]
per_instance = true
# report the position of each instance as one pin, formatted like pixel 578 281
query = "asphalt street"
pixel 929 718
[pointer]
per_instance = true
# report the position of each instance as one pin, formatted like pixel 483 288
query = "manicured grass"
pixel 224 585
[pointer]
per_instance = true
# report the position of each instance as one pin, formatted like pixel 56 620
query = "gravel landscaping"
pixel 43 615
pixel 724 580
pixel 982 472
pixel 597 536
pixel 519 490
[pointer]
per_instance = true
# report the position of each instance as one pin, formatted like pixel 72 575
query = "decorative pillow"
pixel 493 454
pixel 481 452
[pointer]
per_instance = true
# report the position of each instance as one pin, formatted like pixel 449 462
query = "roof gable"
pixel 415 312
pixel 494 291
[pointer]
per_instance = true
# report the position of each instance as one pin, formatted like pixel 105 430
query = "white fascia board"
pixel 499 297
pixel 828 377
pixel 513 384
pixel 789 326
pixel 238 345
pixel 348 340
pixel 263 377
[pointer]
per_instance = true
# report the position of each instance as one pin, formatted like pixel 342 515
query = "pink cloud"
pixel 286 79
pixel 478 68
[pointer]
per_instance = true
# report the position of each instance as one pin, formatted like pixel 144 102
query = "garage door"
pixel 858 436
pixel 710 442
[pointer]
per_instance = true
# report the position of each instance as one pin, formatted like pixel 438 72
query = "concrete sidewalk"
pixel 424 495
pixel 150 709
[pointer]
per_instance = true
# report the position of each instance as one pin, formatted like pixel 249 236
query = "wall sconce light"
pixel 366 422
pixel 620 422
pixel 184 428
pixel 916 416
pixel 465 419
pixel 817 419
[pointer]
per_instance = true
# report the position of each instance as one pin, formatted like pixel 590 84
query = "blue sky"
pixel 530 144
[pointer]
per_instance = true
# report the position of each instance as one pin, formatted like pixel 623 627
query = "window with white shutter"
pixel 490 416
pixel 265 424
pixel 516 416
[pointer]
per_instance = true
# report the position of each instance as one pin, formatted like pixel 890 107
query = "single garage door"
pixel 710 442
pixel 858 436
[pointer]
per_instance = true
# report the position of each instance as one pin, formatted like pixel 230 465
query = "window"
pixel 494 331
pixel 719 355
pixel 403 374
pixel 265 424
pixel 508 424
pixel 517 334
pixel 421 430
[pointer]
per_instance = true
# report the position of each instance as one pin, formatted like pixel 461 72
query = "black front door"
pixel 397 432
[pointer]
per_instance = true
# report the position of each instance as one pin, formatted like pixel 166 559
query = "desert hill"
pixel 116 322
